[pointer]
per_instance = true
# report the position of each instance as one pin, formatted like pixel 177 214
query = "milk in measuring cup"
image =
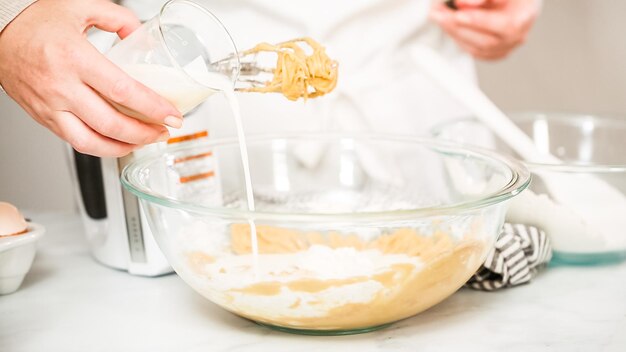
pixel 181 89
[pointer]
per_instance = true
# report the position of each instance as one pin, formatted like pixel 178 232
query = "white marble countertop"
pixel 68 302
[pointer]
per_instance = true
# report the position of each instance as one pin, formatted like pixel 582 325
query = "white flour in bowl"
pixel 313 282
pixel 568 231
pixel 325 280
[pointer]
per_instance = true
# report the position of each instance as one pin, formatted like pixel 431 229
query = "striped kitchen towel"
pixel 515 259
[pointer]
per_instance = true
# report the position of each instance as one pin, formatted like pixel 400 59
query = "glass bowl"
pixel 354 232
pixel 589 146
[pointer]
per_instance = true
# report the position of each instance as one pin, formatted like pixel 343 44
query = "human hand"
pixel 50 69
pixel 487 29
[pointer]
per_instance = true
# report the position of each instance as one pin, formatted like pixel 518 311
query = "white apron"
pixel 379 89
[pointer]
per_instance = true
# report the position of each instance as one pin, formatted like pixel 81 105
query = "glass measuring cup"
pixel 175 54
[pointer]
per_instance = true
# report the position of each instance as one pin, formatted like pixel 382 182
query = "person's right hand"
pixel 50 69
pixel 487 29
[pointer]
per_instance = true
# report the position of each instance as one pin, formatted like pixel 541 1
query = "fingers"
pixel 110 17
pixel 119 88
pixel 507 19
pixel 106 120
pixel 486 33
pixel 85 140
pixel 484 55
pixel 52 71
pixel 442 14
pixel 480 41
pixel 470 3
pixel 487 21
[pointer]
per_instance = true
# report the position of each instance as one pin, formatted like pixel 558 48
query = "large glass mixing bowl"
pixel 592 148
pixel 354 232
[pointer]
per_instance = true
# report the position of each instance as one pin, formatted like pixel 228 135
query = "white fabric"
pixel 379 88
pixel 9 9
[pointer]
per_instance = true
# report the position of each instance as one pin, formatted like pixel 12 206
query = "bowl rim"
pixel 519 181
pixel 558 116
pixel 33 233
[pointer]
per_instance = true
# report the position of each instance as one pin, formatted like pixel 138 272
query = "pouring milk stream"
pixel 173 61
pixel 185 94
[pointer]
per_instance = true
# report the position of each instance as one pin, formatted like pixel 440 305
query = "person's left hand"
pixel 487 29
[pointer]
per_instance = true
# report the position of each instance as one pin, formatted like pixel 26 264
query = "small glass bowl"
pixel 588 145
pixel 354 232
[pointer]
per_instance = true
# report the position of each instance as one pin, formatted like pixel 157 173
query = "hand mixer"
pixel 298 68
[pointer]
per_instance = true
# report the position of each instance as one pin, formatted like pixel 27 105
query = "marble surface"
pixel 68 302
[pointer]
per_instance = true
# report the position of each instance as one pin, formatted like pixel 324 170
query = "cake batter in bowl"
pixel 353 232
